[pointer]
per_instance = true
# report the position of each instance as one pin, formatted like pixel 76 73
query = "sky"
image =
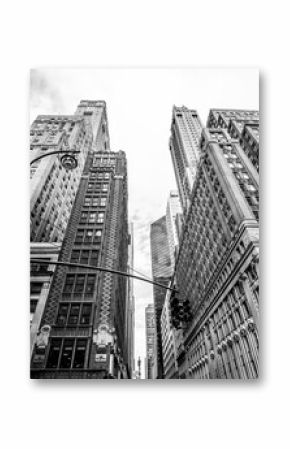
pixel 139 108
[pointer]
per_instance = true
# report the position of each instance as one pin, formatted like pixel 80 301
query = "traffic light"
pixel 187 311
pixel 180 311
pixel 174 310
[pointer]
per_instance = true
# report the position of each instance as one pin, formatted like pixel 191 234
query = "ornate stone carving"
pixel 43 337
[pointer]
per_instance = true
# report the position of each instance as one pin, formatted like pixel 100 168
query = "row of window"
pixel 95 201
pixel 67 353
pixel 77 284
pixel 92 217
pixel 97 186
pixel 85 256
pixel 102 175
pixel 74 314
pixel 35 288
pixel 88 236
pixel 39 267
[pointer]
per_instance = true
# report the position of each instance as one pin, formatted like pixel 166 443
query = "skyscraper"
pixel 150 341
pixel 52 187
pixel 130 321
pixel 161 271
pixel 95 116
pixel 184 147
pixel 83 329
pixel 40 282
pixel 173 209
pixel 217 264
pixel 241 125
pixel 170 338
pixel 169 335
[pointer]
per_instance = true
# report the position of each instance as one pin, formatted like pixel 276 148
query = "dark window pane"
pixel 86 314
pixel 33 304
pixel 66 356
pixel 53 356
pixel 98 235
pixel 74 314
pixel 68 287
pixel 62 314
pixel 89 235
pixel 90 283
pixel 35 288
pixel 80 282
pixel 94 258
pixel 80 353
pixel 85 257
pixel 75 256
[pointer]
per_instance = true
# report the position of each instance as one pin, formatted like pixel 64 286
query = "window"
pixel 62 314
pixel 74 314
pixel 80 354
pixel 94 258
pixel 68 286
pixel 90 284
pixel 33 304
pixel 92 217
pixel 35 288
pixel 75 256
pixel 39 267
pixel 80 236
pixel 98 236
pixel 85 257
pixel 80 283
pixel 67 353
pixel 89 236
pixel 101 217
pixel 54 351
pixel 84 217
pixel 86 314
pixel 103 201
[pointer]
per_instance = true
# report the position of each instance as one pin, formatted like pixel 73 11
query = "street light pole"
pixel 107 270
pixel 68 160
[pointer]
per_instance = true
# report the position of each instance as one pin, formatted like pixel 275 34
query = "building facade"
pixel 184 147
pixel 84 325
pixel 169 335
pixel 94 114
pixel 173 209
pixel 161 273
pixel 170 338
pixel 40 282
pixel 150 341
pixel 52 187
pixel 217 264
pixel 130 321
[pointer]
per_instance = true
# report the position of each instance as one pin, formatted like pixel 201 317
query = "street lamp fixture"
pixel 68 160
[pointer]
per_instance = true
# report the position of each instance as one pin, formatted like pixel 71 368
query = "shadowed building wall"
pixel 161 272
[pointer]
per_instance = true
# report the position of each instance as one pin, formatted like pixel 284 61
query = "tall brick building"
pixel 184 147
pixel 161 271
pixel 83 330
pixel 217 264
